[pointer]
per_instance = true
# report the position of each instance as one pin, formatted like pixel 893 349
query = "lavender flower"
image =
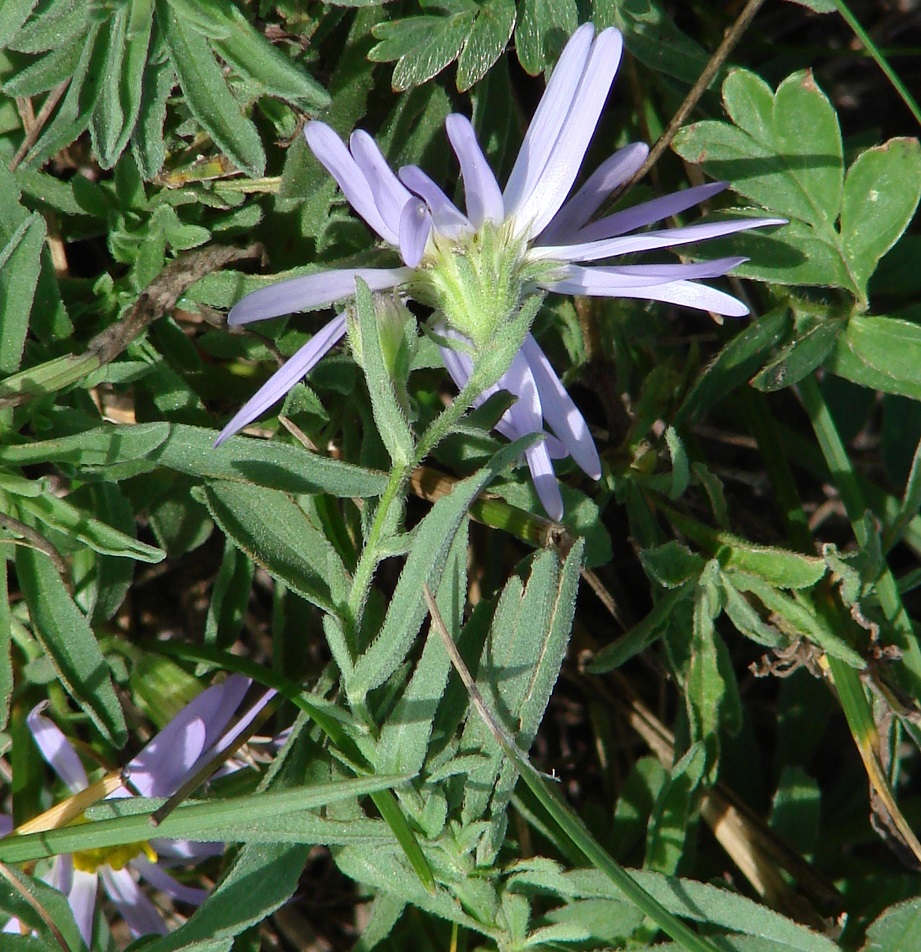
pixel 476 269
pixel 197 733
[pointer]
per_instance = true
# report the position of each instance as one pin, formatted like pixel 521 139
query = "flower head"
pixel 475 268
pixel 197 733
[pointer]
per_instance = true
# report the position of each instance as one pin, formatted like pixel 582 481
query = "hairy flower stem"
pixel 395 491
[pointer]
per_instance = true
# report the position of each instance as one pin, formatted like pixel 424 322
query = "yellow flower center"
pixel 117 857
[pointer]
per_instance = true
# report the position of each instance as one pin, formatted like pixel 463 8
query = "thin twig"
pixel 35 130
pixel 158 298
pixel 46 917
pixel 732 37
pixel 36 540
pixel 502 736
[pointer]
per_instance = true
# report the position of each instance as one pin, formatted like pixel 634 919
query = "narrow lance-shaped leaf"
pixel 67 639
pixel 405 736
pixel 431 543
pixel 277 534
pixel 388 414
pixel 207 94
pixel 20 264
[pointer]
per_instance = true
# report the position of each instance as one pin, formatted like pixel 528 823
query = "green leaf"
pixel 229 598
pixel 126 87
pixel 750 103
pixel 431 544
pixel 15 13
pixel 67 639
pixel 148 142
pixel 385 869
pixel 650 34
pixel 734 364
pixel 808 138
pixel 518 668
pixel 20 264
pixel 818 6
pixel 704 686
pixel 389 415
pixel 206 93
pixel 76 524
pixel 672 564
pixel 882 353
pixel 718 907
pixel 108 118
pixel 54 26
pixel 795 811
pixel 190 449
pixel 277 534
pixel 896 929
pixel 881 193
pixel 673 813
pixel 800 620
pixel 405 736
pixel 422 45
pixel 282 813
pixel 783 151
pixel 74 113
pixel 45 72
pixel 253 57
pixel 544 26
pixel 51 901
pixel 799 357
pixel 261 878
pixel 782 568
pixel 642 635
pixel 746 620
pixel 6 643
pixel 486 42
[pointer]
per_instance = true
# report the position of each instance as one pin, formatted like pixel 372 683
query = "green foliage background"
pixel 709 675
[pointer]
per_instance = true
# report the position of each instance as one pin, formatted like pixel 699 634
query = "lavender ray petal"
pixel 160 768
pixel 228 738
pixel 182 852
pixel 525 413
pixel 556 447
pixel 162 880
pixel 56 749
pixel 611 174
pixel 686 293
pixel 648 241
pixel 545 482
pixel 550 189
pixel 447 219
pixel 415 228
pixel 6 824
pixel 390 195
pixel 548 119
pixel 648 212
pixel 61 875
pixel 560 412
pixel 458 363
pixel 135 908
pixel 507 428
pixel 295 367
pixel 676 271
pixel 609 279
pixel 81 897
pixel 312 291
pixel 460 366
pixel 332 153
pixel 481 190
